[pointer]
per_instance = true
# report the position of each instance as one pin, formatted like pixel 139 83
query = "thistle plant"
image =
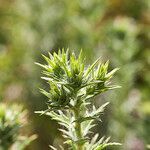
pixel 12 118
pixel 72 87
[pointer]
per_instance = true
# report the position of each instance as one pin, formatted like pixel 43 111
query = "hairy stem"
pixel 78 129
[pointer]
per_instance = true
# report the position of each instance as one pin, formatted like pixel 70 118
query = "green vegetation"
pixel 12 119
pixel 73 88
pixel 116 30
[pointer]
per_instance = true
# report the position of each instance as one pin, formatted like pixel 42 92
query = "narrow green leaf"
pixel 110 74
pixel 90 68
pixel 43 66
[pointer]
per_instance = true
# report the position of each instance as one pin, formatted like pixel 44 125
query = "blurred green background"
pixel 117 30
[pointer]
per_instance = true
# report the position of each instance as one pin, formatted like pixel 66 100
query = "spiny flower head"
pixel 59 96
pixel 67 76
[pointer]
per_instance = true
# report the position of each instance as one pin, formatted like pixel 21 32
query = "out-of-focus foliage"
pixel 114 29
pixel 12 119
pixel 123 39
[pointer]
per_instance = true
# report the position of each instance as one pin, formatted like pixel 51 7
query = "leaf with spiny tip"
pixel 51 63
pixel 106 141
pixel 50 56
pixel 80 57
pixel 106 66
pixel 47 94
pixel 90 68
pixel 64 56
pixel 113 87
pixel 96 112
pixel 53 148
pixel 66 133
pixel 111 73
pixel 103 146
pixel 63 64
pixel 72 61
pixel 42 112
pixel 88 126
pixel 60 53
pixel 94 139
pixel 67 54
pixel 43 66
pixel 98 69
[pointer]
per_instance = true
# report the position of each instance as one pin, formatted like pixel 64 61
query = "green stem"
pixel 78 129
